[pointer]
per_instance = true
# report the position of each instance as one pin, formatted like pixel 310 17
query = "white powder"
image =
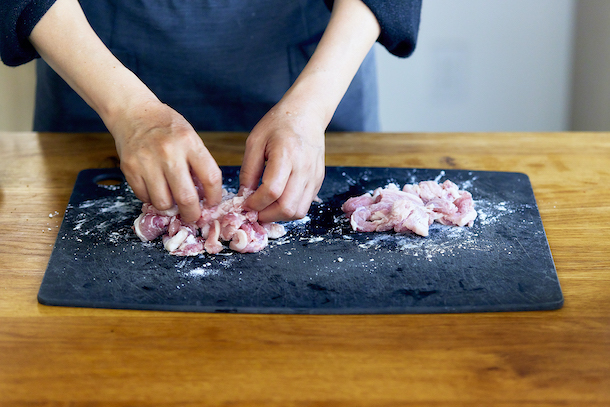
pixel 93 218
pixel 349 179
pixel 298 222
pixel 79 223
pixel 467 184
pixel 443 240
pixel 439 176
pixel 110 187
pixel 114 237
pixel 116 206
pixel 490 212
pixel 203 272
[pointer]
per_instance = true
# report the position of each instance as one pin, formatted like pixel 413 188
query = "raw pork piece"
pixel 413 208
pixel 227 221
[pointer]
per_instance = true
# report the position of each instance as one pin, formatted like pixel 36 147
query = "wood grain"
pixel 58 356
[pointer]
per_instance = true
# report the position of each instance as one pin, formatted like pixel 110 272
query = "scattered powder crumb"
pixel 202 272
pixel 451 238
pixel 79 224
pixel 87 204
pixel 439 176
pixel 298 222
pixel 468 184
pixel 110 187
pixel 489 213
pixel 115 237
pixel 117 206
pixel 278 242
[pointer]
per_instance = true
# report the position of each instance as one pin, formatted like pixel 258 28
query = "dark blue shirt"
pixel 222 64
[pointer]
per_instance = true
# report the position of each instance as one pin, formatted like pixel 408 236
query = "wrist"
pixel 349 36
pixel 127 103
pixel 307 97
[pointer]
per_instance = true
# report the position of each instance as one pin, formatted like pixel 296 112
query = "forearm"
pixel 351 32
pixel 160 152
pixel 66 41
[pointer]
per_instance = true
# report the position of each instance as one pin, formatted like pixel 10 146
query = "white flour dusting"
pixel 349 179
pixel 444 241
pixel 439 176
pixel 110 187
pixel 466 185
pixel 104 215
pixel 492 212
pixel 108 221
pixel 117 207
pixel 315 239
pixel 203 272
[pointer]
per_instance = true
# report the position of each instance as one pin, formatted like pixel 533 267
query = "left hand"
pixel 287 148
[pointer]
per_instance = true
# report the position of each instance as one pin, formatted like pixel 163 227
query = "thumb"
pixel 252 167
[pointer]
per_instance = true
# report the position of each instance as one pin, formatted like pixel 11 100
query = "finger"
pixel 309 194
pixel 184 192
pixel 138 186
pixel 252 165
pixel 158 189
pixel 209 174
pixel 308 197
pixel 275 178
pixel 293 204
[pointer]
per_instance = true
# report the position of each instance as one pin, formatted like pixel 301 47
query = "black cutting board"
pixel 502 263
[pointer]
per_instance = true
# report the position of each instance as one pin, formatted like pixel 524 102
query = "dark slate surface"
pixel 503 263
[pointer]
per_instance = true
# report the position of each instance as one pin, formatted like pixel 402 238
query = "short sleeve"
pixel 399 22
pixel 17 20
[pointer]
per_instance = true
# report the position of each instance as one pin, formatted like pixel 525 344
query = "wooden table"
pixel 56 355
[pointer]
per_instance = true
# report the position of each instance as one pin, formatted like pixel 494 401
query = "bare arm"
pixel 157 146
pixel 290 138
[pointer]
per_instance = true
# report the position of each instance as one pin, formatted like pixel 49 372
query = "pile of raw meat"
pixel 225 222
pixel 414 208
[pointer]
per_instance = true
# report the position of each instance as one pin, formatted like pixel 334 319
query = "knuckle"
pixel 253 138
pixel 301 213
pixel 187 198
pixel 165 147
pixel 287 212
pixel 273 192
pixel 162 204
pixel 128 166
pixel 214 176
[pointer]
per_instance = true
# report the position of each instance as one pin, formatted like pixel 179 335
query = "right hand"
pixel 160 152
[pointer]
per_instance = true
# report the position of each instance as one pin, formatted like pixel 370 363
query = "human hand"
pixel 160 153
pixel 290 137
pixel 291 142
pixel 159 150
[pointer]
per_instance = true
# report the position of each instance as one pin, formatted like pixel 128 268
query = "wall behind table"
pixel 17 87
pixel 591 79
pixel 481 65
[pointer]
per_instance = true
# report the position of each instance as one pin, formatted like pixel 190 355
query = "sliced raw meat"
pixel 225 222
pixel 413 208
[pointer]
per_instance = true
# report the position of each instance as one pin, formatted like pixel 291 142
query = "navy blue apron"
pixel 221 64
